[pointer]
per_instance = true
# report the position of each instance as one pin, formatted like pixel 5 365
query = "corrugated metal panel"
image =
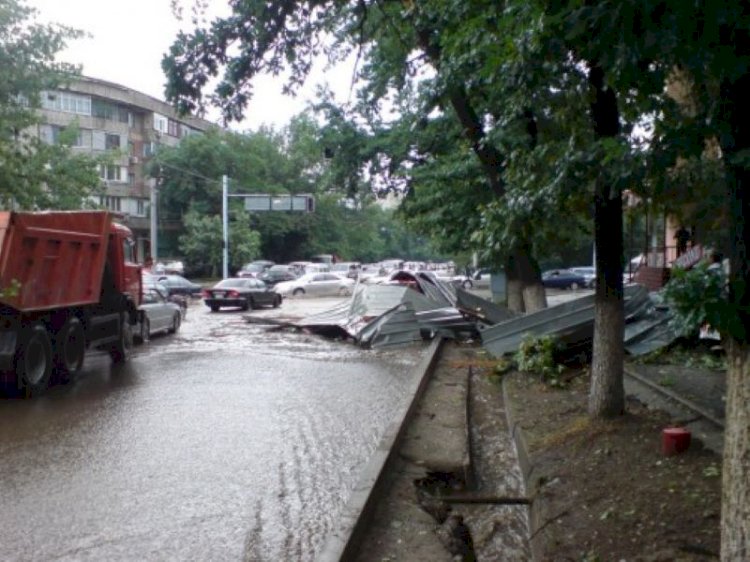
pixel 571 322
pixel 395 327
pixel 482 309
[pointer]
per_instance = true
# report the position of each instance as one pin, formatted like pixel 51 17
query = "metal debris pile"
pixel 418 306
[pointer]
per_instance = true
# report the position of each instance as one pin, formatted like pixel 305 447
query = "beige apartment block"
pixel 131 125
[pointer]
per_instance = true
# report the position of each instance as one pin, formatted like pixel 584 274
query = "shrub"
pixel 536 354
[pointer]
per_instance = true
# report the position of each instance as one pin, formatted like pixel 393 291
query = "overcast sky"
pixel 129 38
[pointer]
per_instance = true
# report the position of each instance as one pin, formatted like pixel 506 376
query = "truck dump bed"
pixel 58 257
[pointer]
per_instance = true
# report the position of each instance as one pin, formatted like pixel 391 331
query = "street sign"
pixel 265 202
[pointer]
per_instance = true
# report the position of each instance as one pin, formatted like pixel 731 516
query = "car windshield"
pixel 231 283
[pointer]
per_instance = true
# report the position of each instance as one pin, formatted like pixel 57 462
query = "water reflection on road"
pixel 224 442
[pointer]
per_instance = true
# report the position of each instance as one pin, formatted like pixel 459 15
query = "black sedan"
pixel 244 293
pixel 563 279
pixel 277 274
pixel 178 285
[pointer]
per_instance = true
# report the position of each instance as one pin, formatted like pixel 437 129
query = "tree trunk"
pixel 607 395
pixel 524 276
pixel 735 501
pixel 735 505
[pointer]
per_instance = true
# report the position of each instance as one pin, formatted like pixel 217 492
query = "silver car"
pixel 159 314
pixel 317 285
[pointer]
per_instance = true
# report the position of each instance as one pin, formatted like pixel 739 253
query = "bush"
pixel 696 297
pixel 537 355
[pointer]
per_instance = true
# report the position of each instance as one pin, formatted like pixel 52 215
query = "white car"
pixel 160 315
pixel 316 285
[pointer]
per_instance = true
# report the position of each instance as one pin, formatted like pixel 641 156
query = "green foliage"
pixel 201 244
pixel 700 296
pixel 35 175
pixel 536 355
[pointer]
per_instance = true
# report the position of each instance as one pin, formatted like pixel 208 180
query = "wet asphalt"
pixel 225 441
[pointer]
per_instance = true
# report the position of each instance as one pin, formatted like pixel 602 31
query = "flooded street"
pixel 224 442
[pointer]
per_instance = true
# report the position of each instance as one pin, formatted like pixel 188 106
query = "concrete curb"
pixel 536 542
pixel 343 541
pixel 690 405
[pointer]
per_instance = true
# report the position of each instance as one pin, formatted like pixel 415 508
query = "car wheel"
pixel 145 334
pixel 175 324
pixel 277 301
pixel 245 305
pixel 34 360
pixel 214 308
pixel 345 292
pixel 467 284
pixel 298 292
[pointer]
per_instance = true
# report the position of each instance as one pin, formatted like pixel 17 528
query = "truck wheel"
pixel 34 360
pixel 69 348
pixel 119 351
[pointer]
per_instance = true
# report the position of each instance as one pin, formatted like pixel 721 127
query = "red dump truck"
pixel 68 281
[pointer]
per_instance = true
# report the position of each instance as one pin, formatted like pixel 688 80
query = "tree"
pixel 202 242
pixel 34 174
pixel 396 40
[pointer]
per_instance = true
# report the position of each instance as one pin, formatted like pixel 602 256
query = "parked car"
pixel 160 314
pixel 178 285
pixel 347 268
pixel 316 284
pixel 251 270
pixel 480 279
pixel 276 274
pixel 589 274
pixel 244 293
pixel 563 279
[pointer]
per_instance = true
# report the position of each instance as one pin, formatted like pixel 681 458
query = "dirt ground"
pixel 605 490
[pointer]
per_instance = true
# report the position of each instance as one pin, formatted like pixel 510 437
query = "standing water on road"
pixel 224 442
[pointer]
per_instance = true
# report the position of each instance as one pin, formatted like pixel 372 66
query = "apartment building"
pixel 133 126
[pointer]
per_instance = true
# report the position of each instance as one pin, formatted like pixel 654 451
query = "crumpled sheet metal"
pixel 573 324
pixel 382 315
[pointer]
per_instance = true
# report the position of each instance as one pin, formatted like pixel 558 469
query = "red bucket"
pixel 674 440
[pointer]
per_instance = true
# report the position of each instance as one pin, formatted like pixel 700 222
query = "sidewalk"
pixel 695 397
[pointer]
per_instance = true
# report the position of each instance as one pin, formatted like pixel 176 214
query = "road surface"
pixel 224 442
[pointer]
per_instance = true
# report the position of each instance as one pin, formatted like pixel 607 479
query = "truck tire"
pixel 69 348
pixel 34 360
pixel 120 350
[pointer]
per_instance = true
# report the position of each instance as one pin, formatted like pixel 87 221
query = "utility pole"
pixel 225 222
pixel 154 219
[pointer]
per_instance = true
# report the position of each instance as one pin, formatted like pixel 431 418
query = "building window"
pixel 110 173
pixel 66 102
pixel 111 203
pixel 149 149
pixel 161 123
pixel 111 142
pixel 51 135
pixel 174 128
pixel 140 207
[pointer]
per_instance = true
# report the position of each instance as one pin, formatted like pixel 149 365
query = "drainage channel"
pixel 445 480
